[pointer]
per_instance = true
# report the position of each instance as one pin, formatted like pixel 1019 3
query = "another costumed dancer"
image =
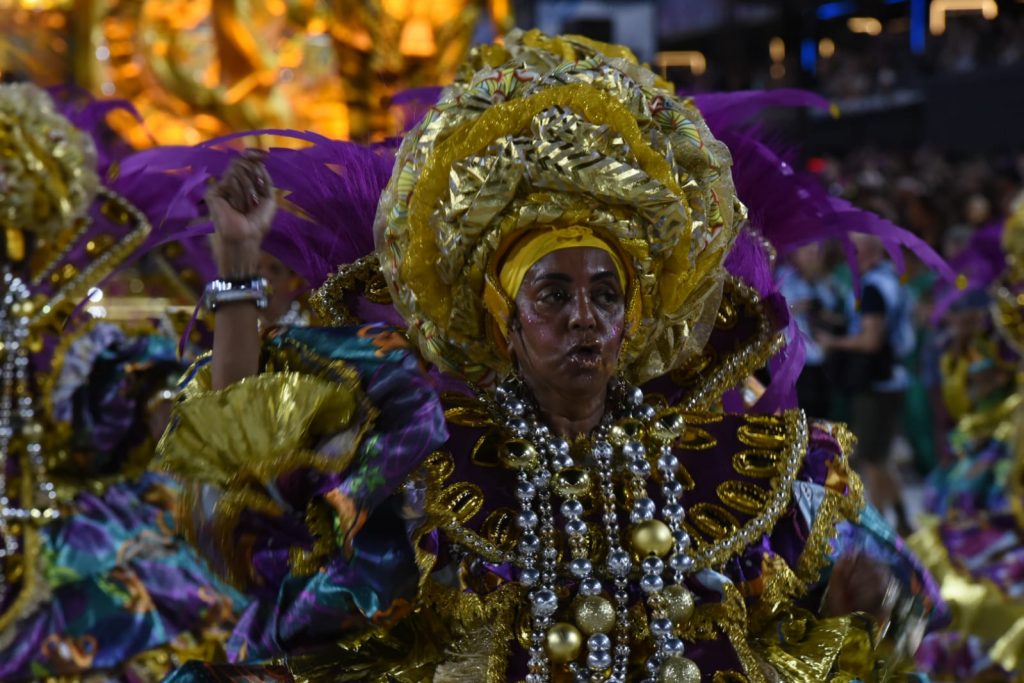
pixel 94 580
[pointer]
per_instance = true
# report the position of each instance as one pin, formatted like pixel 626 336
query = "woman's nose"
pixel 582 313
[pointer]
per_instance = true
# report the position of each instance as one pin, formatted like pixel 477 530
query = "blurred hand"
pixel 859 584
pixel 242 207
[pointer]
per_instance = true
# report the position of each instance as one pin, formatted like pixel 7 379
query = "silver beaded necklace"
pixel 546 470
pixel 17 412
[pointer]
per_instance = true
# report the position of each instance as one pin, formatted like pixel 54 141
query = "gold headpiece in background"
pixel 47 168
pixel 62 228
pixel 550 133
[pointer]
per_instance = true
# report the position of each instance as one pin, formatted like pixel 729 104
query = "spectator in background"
pixel 872 356
pixel 818 304
pixel 284 290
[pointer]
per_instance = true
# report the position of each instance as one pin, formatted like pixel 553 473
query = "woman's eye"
pixel 553 296
pixel 606 296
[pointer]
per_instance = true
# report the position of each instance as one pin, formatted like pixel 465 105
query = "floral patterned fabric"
pixel 110 589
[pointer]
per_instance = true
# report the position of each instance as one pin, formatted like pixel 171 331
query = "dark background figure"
pixel 872 357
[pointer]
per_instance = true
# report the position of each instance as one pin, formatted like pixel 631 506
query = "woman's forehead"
pixel 574 262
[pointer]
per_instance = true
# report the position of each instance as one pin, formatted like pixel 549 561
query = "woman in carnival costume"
pixel 543 473
pixel 93 579
pixel 974 546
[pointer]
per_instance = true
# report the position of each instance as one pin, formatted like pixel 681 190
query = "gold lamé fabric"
pixel 979 607
pixel 47 165
pixel 232 445
pixel 553 132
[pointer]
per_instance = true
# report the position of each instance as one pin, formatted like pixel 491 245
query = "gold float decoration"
pixel 196 69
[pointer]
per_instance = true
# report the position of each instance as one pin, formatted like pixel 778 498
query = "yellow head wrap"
pixel 527 251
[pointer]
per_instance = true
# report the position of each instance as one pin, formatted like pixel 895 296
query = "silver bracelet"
pixel 220 292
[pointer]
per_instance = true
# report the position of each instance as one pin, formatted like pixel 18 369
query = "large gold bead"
pixel 626 430
pixel 572 482
pixel 519 454
pixel 678 602
pixel 595 614
pixel 563 642
pixel 652 537
pixel 667 427
pixel 679 670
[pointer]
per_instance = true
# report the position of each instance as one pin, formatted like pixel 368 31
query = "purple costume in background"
pixel 95 579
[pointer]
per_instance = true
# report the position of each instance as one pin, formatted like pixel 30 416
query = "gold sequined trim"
pixel 725 372
pixel 835 507
pixel 361 277
pixel 74 291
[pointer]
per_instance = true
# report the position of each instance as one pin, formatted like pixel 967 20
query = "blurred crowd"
pixel 884 356
pixel 879 64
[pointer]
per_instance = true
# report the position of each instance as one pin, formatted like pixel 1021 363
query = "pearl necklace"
pixel 546 470
pixel 17 409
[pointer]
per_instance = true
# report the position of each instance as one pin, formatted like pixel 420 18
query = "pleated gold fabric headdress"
pixel 549 133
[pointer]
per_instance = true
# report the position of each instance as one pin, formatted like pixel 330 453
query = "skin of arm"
pixel 242 207
pixel 869 340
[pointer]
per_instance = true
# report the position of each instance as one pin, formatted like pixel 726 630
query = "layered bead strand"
pixel 545 465
pixel 18 416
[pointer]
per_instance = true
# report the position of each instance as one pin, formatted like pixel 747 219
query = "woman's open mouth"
pixel 585 355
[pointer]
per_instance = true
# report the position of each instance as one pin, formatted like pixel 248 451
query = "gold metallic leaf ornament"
pixel 549 133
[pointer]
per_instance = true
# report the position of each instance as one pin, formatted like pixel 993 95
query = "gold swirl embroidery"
pixel 468 417
pixel 463 500
pixel 486 450
pixel 759 464
pixel 716 553
pixel 744 496
pixel 729 676
pixel 695 439
pixel 713 521
pixel 684 477
pixel 439 465
pixel 762 435
pixel 500 528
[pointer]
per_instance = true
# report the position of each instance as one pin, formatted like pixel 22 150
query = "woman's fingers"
pixel 242 203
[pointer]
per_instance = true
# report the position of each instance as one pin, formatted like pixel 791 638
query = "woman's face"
pixel 570 313
pixel 282 284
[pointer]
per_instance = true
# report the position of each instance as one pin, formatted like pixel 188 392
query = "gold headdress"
pixel 61 228
pixel 550 133
pixel 47 167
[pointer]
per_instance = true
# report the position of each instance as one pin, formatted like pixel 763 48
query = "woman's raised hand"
pixel 242 207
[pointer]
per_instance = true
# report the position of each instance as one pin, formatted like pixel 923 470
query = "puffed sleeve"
pixel 295 482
